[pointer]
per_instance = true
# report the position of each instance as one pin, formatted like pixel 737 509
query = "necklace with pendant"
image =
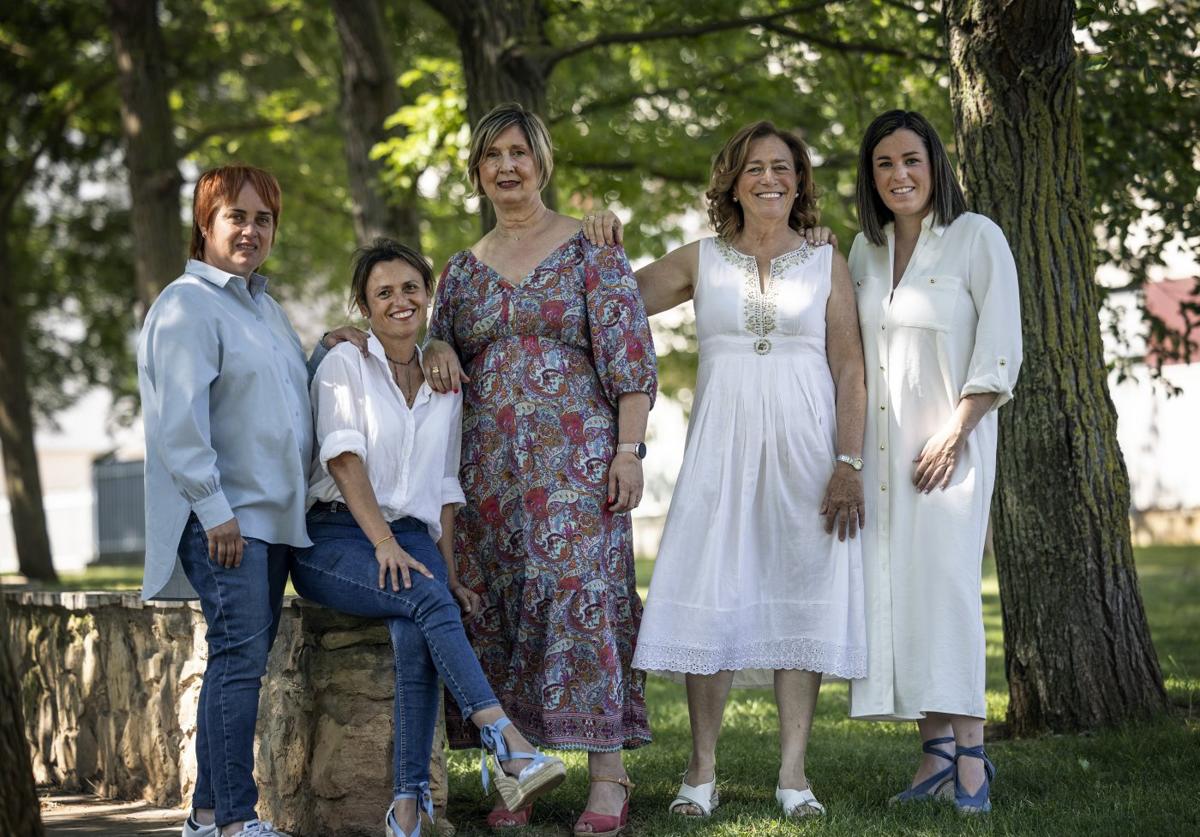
pixel 406 387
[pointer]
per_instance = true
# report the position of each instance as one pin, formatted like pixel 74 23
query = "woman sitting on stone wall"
pixel 382 493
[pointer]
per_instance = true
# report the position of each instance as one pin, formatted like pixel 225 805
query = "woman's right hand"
pixel 397 563
pixel 603 228
pixel 441 367
pixel 844 506
pixel 225 543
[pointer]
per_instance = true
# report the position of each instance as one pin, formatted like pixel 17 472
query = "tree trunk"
pixel 22 481
pixel 499 40
pixel 368 98
pixel 1078 653
pixel 20 815
pixel 151 156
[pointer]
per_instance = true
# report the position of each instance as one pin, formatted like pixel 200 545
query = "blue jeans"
pixel 242 607
pixel 340 571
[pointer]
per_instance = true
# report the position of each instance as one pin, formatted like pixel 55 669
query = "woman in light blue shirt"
pixel 228 445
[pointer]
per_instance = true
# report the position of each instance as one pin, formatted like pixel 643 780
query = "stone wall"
pixel 110 686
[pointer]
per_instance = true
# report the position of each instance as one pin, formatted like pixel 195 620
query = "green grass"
pixel 1143 779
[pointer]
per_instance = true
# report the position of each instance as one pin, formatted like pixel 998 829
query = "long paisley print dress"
pixel 548 359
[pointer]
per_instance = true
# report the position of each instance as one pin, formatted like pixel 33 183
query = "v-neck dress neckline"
pixel 508 283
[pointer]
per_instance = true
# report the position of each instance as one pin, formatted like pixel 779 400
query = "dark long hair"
pixel 946 195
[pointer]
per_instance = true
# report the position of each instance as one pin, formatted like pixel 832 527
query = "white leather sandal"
pixel 798 803
pixel 704 797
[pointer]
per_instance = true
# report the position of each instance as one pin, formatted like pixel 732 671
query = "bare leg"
pixel 707 695
pixel 968 732
pixel 796 696
pixel 606 797
pixel 933 725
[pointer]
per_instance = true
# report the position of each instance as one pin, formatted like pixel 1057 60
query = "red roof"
pixel 1177 303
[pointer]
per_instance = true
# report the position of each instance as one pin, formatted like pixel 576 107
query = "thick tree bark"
pixel 1077 647
pixel 20 814
pixel 368 99
pixel 151 155
pixel 22 480
pixel 500 41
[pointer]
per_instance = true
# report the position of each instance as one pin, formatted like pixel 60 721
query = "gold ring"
pixel 435 370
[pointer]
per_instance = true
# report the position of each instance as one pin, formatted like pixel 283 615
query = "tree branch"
pixel 859 47
pixel 636 166
pixel 628 96
pixel 549 58
pixel 199 136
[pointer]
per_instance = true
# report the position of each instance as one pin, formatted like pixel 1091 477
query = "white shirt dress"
pixel 951 328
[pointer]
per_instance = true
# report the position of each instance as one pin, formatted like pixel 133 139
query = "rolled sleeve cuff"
pixel 342 441
pixel 213 510
pixel 995 382
pixel 452 493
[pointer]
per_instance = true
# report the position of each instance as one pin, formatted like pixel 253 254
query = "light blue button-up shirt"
pixel 228 426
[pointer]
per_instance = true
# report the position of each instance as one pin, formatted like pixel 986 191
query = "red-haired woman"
pixel 228 446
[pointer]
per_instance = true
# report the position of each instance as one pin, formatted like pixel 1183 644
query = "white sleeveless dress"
pixel 746 578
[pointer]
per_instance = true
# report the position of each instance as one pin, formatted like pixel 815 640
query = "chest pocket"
pixel 928 302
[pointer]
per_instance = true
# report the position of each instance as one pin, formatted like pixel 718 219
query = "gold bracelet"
pixel 384 540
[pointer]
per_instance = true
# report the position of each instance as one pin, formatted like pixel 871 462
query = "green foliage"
pixel 640 97
pixel 67 241
pixel 1140 98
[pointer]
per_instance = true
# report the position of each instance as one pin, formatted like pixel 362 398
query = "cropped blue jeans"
pixel 242 606
pixel 340 571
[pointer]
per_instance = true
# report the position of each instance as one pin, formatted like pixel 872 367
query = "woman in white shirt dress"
pixel 382 493
pixel 941 325
pixel 753 585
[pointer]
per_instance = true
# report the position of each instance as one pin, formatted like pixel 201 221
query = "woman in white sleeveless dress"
pixel 759 576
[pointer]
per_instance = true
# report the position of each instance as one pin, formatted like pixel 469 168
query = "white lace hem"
pixel 849 662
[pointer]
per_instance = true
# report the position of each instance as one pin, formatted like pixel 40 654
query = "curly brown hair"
pixel 724 213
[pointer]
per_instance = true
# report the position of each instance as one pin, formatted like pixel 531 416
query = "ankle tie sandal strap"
pixel 492 736
pixel 938 785
pixel 977 752
pixel 931 747
pixel 424 803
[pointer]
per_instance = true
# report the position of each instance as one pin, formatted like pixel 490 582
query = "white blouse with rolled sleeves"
pixel 411 455
pixel 951 328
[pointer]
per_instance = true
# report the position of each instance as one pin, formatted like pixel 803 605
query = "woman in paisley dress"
pixel 759 575
pixel 559 374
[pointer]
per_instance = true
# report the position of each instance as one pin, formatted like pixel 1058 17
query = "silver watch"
pixel 854 462
pixel 638 449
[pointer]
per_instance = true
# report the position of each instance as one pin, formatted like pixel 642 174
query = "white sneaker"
pixel 191 828
pixel 260 828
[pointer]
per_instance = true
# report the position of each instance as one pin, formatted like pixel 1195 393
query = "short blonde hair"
pixel 724 213
pixel 496 122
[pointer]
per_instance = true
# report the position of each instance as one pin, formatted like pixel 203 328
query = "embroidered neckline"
pixel 759 305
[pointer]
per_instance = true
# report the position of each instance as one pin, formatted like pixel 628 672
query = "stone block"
pixel 110 687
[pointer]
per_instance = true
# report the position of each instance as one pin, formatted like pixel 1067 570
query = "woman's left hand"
pixel 624 483
pixel 443 372
pixel 603 228
pixel 470 601
pixel 346 334
pixel 819 235
pixel 935 464
pixel 843 505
